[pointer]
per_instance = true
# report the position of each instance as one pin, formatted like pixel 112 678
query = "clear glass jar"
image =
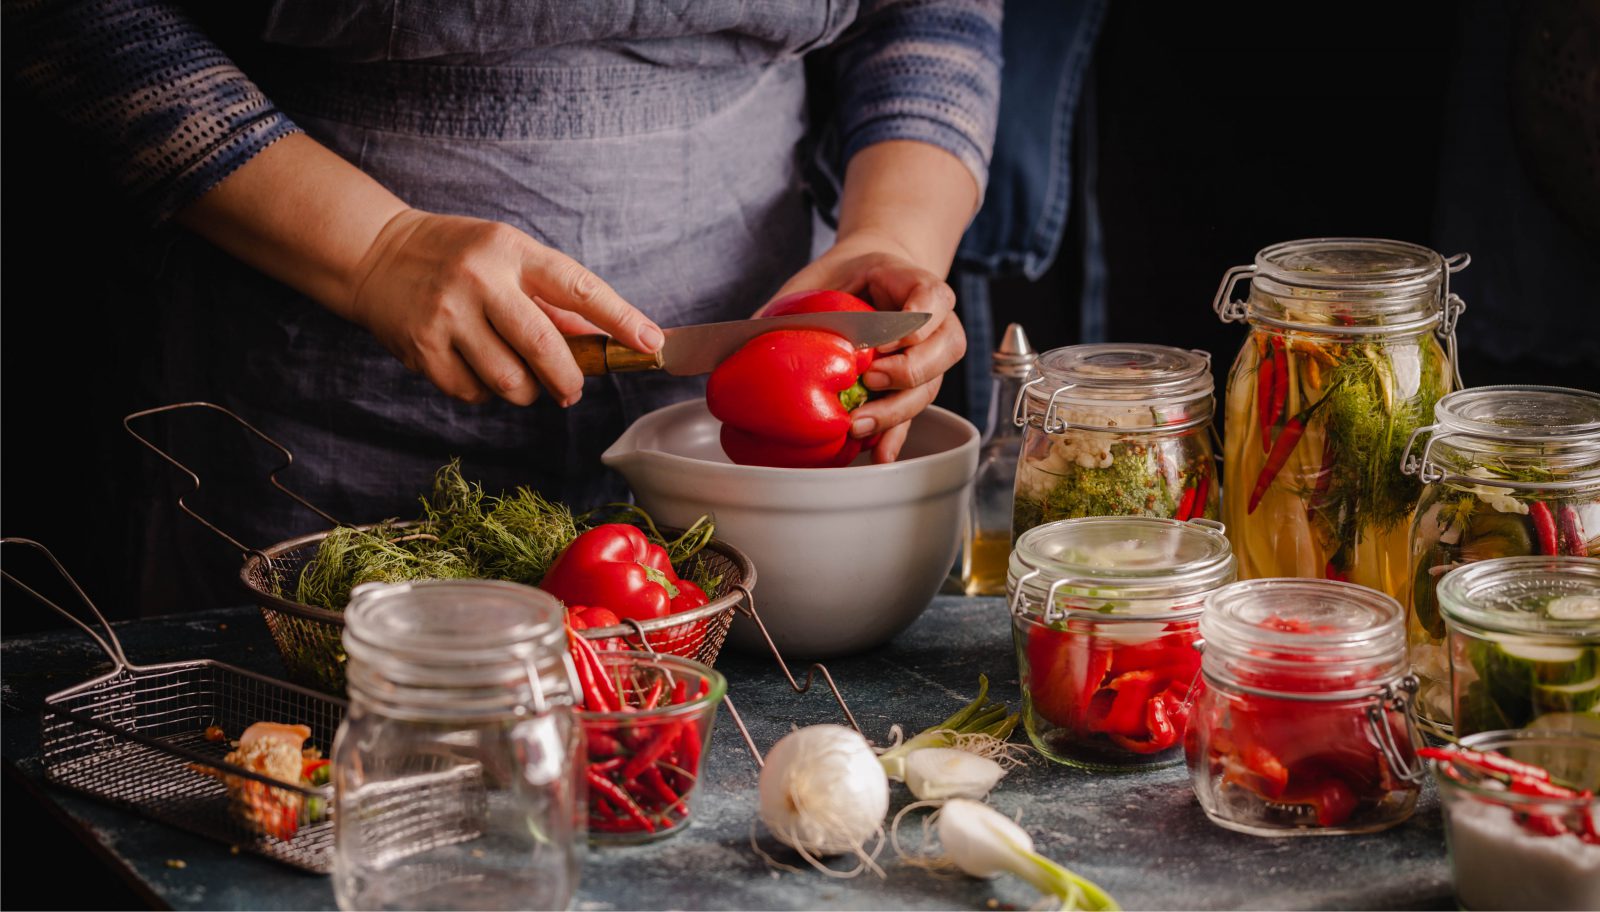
pixel 1343 362
pixel 1105 614
pixel 1510 850
pixel 1301 722
pixel 455 769
pixel 1524 643
pixel 1115 430
pixel 1508 471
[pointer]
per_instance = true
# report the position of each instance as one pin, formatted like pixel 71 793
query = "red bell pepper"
pixel 614 566
pixel 785 398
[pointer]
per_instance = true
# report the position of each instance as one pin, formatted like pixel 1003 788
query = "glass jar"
pixel 1115 430
pixel 454 770
pixel 1301 721
pixel 1105 613
pixel 1515 850
pixel 986 544
pixel 1524 641
pixel 1343 362
pixel 1508 471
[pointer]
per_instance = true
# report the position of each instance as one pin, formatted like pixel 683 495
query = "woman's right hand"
pixel 480 308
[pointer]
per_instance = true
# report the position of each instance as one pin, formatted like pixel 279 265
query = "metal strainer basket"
pixel 308 637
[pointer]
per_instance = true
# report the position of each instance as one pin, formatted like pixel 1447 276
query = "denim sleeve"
pixel 926 70
pixel 146 90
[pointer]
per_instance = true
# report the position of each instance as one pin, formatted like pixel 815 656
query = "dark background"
pixel 1197 170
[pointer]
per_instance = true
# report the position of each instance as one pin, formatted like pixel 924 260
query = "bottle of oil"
pixel 986 548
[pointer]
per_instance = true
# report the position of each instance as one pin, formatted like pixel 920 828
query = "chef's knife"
pixel 691 350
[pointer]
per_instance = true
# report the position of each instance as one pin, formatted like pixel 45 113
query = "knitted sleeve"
pixel 145 89
pixel 926 70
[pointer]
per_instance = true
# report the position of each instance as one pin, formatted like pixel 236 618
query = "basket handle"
pixel 109 642
pixel 272 476
pixel 748 609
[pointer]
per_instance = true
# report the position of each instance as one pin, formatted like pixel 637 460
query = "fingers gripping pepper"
pixel 616 567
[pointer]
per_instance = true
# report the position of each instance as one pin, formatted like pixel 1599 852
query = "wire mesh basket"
pixel 309 637
pixel 145 737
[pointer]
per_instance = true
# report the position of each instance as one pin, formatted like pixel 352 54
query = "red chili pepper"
pixel 1331 571
pixel 1485 761
pixel 599 695
pixel 1524 785
pixel 653 779
pixel 1186 505
pixel 1544 524
pixel 653 695
pixel 785 398
pixel 614 566
pixel 664 739
pixel 1569 532
pixel 1266 380
pixel 614 794
pixel 1280 378
pixel 1281 448
pixel 1202 492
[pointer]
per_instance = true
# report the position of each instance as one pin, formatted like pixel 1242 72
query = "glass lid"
pixel 1349 262
pixel 1521 412
pixel 1121 559
pixel 1344 284
pixel 1305 620
pixel 1553 597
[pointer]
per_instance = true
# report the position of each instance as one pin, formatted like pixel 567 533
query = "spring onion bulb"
pixel 936 773
pixel 824 793
pixel 984 843
pixel 980 728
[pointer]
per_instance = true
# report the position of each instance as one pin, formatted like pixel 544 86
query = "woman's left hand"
pixel 911 369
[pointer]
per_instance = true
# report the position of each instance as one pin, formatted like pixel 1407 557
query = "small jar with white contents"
pixel 1105 615
pixel 1116 430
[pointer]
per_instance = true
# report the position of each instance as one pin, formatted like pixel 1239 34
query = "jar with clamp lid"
pixel 1523 636
pixel 1301 721
pixel 1115 430
pixel 1352 342
pixel 1507 471
pixel 1104 619
pixel 455 770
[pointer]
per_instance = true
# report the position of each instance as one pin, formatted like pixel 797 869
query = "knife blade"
pixel 697 349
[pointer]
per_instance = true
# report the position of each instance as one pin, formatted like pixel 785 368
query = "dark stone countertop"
pixel 1141 836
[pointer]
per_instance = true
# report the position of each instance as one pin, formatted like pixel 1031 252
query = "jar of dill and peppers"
pixel 1523 637
pixel 1301 722
pixel 1351 344
pixel 1507 471
pixel 1115 430
pixel 1105 614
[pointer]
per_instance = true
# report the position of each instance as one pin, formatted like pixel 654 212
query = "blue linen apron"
pixel 655 142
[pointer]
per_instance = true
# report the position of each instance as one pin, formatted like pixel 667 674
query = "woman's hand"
pixel 480 308
pixel 912 368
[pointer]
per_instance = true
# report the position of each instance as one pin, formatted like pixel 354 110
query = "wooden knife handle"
pixel 598 355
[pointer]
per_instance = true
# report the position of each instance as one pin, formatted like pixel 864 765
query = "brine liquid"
pixel 984 560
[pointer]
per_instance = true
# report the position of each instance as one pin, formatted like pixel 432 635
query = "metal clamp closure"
pixel 1451 312
pixel 1017 416
pixel 1396 696
pixel 1228 309
pixel 1209 524
pixel 1428 471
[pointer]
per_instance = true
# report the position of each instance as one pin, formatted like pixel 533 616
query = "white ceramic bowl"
pixel 847 557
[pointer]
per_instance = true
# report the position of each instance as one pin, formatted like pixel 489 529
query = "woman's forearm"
pixel 913 195
pixel 301 214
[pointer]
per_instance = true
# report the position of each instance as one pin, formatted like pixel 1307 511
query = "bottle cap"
pixel 1015 357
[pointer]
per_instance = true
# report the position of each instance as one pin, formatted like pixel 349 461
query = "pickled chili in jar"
pixel 1350 347
pixel 1508 471
pixel 1301 721
pixel 1105 614
pixel 1116 430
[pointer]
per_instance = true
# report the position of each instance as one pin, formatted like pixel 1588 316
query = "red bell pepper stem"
pixel 1485 761
pixel 1544 524
pixel 614 793
pixel 1281 448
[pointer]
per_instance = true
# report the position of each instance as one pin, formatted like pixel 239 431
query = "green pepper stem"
pixel 853 397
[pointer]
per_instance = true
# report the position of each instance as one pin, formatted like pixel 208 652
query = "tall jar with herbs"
pixel 1116 430
pixel 1351 344
pixel 1507 471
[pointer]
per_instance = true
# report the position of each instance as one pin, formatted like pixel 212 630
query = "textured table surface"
pixel 1141 836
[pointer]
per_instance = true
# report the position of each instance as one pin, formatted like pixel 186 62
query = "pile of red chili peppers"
pixel 1519 779
pixel 640 768
pixel 1132 697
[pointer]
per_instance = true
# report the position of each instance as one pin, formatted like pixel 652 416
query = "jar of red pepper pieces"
pixel 1301 721
pixel 455 768
pixel 647 730
pixel 1523 636
pixel 1104 618
pixel 1508 471
pixel 1115 430
pixel 1352 341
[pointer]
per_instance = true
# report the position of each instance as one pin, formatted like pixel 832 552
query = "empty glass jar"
pixel 1507 471
pixel 1115 430
pixel 1301 723
pixel 454 771
pixel 1105 613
